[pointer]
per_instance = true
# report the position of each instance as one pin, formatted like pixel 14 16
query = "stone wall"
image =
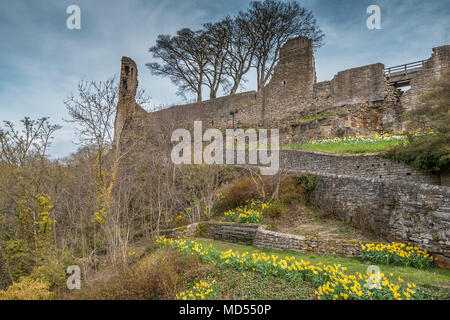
pixel 283 241
pixel 357 85
pixel 396 210
pixel 206 229
pixel 431 71
pixel 293 94
pixel 266 239
pixel 365 166
pixel 214 113
pixel 361 166
pixel 210 227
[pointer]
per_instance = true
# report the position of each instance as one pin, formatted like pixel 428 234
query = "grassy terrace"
pixel 435 281
pixel 352 145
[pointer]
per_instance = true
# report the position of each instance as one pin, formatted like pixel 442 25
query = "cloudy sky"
pixel 41 61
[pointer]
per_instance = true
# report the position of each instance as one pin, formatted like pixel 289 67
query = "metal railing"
pixel 403 69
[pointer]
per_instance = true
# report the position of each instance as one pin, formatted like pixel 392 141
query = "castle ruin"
pixel 399 202
pixel 358 101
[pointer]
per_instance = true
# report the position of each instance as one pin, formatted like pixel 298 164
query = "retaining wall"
pixel 364 166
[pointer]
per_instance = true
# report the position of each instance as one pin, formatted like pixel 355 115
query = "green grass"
pixel 435 281
pixel 354 146
pixel 236 285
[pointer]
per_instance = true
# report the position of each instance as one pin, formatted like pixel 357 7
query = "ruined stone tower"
pixel 295 72
pixel 126 106
pixel 294 76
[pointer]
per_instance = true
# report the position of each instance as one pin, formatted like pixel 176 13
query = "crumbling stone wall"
pixel 282 241
pixel 396 210
pixel 126 106
pixel 361 97
pixel 293 79
pixel 364 166
pixel 432 70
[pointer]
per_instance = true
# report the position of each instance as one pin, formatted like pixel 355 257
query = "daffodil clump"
pixel 330 280
pixel 398 254
pixel 201 291
pixel 251 212
pixel 365 287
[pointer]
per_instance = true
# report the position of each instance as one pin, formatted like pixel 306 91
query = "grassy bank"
pixel 351 145
pixel 435 281
pixel 164 273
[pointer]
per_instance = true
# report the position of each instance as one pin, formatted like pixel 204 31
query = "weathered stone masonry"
pixel 356 101
pixel 397 210
pixel 363 166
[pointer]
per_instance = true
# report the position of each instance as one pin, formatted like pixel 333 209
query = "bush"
pixel 52 267
pixel 296 188
pixel 427 153
pixel 19 258
pixel 291 191
pixel 238 193
pixel 200 230
pixel 161 275
pixel 27 289
pixel 308 182
pixel 275 210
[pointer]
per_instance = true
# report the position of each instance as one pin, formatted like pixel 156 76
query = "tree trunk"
pixel 199 94
pixel 212 94
pixel 235 85
pixel 199 88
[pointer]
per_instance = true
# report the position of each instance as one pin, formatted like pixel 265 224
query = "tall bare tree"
pixel 184 59
pixel 240 50
pixel 217 40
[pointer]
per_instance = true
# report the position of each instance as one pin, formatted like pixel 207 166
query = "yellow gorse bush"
pixel 397 253
pixel 200 291
pixel 330 280
pixel 27 289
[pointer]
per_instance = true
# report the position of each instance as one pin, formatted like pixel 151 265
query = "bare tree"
pixel 271 23
pixel 93 109
pixel 33 140
pixel 217 37
pixel 184 59
pixel 240 50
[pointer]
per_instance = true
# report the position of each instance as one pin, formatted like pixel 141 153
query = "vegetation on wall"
pixel 351 145
pixel 430 153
